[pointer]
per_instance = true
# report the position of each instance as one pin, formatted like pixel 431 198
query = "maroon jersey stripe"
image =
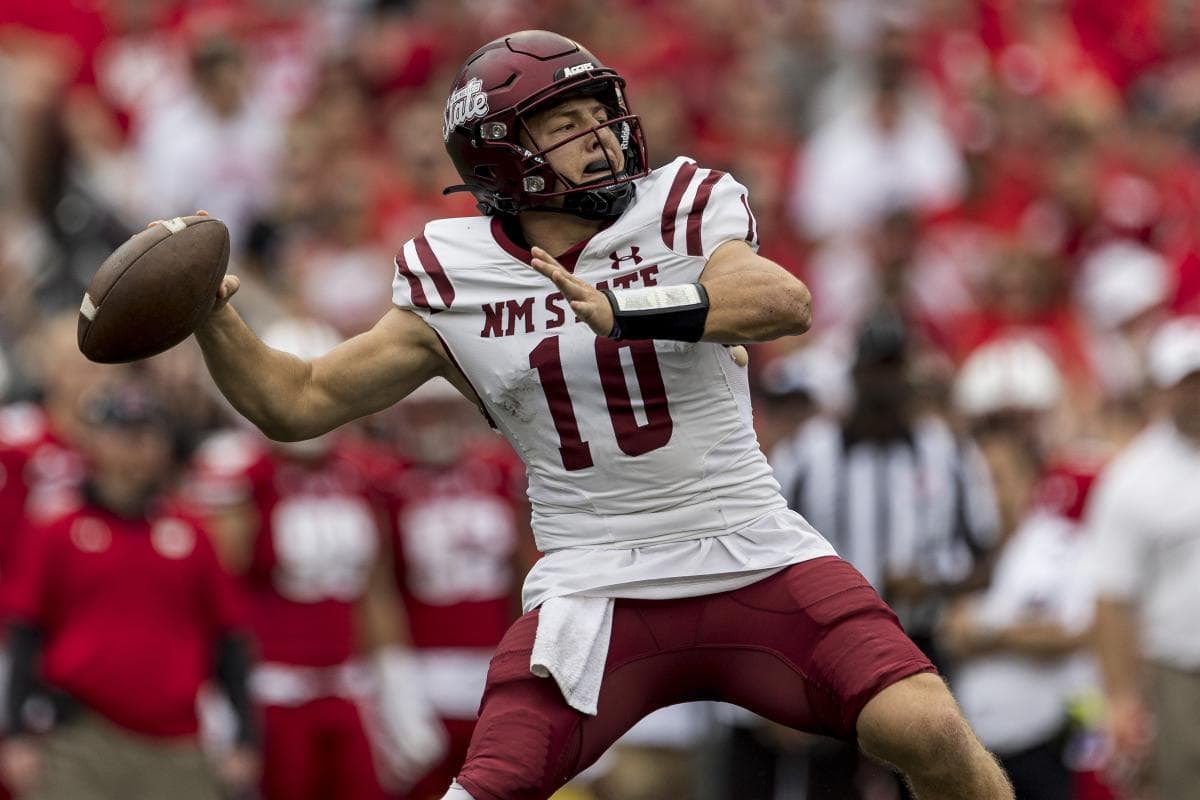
pixel 414 283
pixel 696 215
pixel 434 267
pixel 674 197
pixel 751 233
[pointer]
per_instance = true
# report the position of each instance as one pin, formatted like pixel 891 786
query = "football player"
pixel 586 311
pixel 461 549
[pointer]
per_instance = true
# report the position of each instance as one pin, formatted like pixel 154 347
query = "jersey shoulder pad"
pixel 429 266
pixel 698 209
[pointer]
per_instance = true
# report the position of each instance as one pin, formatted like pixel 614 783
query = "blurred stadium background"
pixel 1016 181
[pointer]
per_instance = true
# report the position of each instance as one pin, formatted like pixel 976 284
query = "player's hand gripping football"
pixel 229 284
pixel 586 300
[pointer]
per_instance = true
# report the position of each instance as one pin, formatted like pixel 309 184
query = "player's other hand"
pixel 20 764
pixel 588 303
pixel 229 284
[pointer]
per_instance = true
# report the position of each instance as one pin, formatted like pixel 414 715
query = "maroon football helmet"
pixel 496 90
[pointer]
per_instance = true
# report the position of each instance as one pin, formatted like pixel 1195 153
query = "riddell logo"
pixel 465 104
pixel 633 256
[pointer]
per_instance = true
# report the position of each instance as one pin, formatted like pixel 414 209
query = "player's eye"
pixel 564 128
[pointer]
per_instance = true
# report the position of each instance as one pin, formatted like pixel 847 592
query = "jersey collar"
pixel 520 252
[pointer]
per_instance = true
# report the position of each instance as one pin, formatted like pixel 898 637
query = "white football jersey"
pixel 628 443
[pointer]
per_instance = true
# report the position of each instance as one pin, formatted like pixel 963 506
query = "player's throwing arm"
pixel 169 281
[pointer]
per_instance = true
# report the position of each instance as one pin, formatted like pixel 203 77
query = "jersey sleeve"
pixel 704 209
pixel 421 283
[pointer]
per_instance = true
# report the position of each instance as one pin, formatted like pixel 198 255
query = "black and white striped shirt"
pixel 922 505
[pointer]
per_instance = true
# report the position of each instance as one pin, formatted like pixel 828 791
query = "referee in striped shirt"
pixel 897 492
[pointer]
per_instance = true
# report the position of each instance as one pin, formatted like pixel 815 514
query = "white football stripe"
pixel 174 225
pixel 88 308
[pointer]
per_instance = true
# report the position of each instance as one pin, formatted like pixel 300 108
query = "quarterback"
pixel 586 312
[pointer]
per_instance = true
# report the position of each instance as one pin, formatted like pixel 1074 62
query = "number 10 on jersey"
pixel 633 438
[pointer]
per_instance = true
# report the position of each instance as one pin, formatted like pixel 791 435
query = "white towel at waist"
pixel 571 645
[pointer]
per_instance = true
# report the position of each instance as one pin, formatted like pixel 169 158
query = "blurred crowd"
pixel 995 203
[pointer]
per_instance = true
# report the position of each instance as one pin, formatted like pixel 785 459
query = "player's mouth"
pixel 600 165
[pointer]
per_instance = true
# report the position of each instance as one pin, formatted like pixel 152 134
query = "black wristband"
pixel 24 645
pixel 659 312
pixel 234 662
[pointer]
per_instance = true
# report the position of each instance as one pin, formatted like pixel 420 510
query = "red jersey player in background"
pixel 306 531
pixel 38 453
pixel 461 550
pixel 118 613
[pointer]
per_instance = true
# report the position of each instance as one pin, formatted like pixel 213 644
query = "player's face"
pixel 140 455
pixel 593 157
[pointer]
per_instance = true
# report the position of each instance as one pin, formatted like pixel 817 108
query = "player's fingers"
pixel 229 286
pixel 584 310
pixel 152 223
pixel 544 268
pixel 594 315
pixel 572 287
pixel 543 255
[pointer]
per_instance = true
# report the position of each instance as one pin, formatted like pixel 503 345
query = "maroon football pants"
pixel 807 648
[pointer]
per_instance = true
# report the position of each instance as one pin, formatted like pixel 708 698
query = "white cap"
pixel 1007 375
pixel 817 370
pixel 1120 280
pixel 1174 351
pixel 304 337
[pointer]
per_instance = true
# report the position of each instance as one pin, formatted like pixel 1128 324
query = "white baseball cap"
pixel 1121 280
pixel 817 370
pixel 305 337
pixel 1174 351
pixel 1007 375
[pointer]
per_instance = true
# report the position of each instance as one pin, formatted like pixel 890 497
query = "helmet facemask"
pixel 610 191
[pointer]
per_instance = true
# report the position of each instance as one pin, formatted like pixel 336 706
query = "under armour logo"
pixel 633 255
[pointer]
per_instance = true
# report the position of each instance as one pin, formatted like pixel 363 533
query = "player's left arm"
pixel 750 298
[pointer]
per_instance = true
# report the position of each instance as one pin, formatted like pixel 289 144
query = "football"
pixel 154 290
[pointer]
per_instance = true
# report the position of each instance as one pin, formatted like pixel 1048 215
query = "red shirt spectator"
pixel 130 610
